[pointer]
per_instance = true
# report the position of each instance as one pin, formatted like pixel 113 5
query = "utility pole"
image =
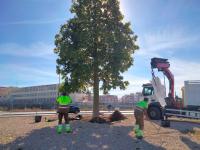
pixel 59 85
pixel 59 79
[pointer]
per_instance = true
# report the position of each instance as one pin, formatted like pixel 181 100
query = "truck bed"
pixel 192 93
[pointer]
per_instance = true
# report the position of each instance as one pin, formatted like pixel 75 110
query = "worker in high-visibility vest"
pixel 140 110
pixel 63 102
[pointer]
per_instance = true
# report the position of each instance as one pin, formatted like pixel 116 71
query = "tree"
pixel 94 48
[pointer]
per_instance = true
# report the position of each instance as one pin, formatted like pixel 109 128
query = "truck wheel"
pixel 154 113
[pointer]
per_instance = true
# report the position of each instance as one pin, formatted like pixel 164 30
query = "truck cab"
pixel 154 109
pixel 155 92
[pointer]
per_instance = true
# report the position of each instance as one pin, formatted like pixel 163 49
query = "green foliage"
pixel 95 44
pixel 62 88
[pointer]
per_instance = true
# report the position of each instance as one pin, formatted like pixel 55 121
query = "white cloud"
pixel 169 41
pixel 27 70
pixel 40 69
pixel 123 8
pixel 32 22
pixel 183 71
pixel 25 75
pixel 153 45
pixel 41 50
pixel 166 39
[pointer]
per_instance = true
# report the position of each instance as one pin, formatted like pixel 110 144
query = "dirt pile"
pixel 116 116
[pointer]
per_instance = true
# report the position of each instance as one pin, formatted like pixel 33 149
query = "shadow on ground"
pixel 192 145
pixel 181 126
pixel 85 136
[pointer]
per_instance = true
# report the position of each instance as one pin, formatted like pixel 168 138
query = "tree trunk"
pixel 96 93
pixel 96 66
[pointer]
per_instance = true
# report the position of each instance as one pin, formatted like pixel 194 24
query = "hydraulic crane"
pixel 163 66
pixel 172 106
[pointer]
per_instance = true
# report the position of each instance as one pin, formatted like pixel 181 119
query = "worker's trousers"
pixel 63 112
pixel 139 117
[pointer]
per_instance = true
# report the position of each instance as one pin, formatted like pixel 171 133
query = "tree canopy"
pixel 94 48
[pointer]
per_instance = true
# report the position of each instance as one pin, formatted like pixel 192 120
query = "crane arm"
pixel 163 66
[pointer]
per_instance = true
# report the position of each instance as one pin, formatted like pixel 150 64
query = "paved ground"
pixel 23 133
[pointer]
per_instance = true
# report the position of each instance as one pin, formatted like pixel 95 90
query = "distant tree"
pixel 94 48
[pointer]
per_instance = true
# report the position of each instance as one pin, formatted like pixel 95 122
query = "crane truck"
pixel 161 106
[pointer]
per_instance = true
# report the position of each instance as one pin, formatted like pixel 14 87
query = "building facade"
pixel 43 92
pixel 35 96
pixel 40 96
pixel 138 96
pixel 108 99
pixel 5 91
pixel 129 99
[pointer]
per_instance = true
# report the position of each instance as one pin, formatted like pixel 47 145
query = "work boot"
pixel 139 134
pixel 59 129
pixel 68 128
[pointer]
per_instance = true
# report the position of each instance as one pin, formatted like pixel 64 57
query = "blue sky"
pixel 165 28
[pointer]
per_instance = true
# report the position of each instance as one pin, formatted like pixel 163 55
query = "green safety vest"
pixel 64 100
pixel 142 104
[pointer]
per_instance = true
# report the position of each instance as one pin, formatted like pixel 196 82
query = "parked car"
pixel 74 109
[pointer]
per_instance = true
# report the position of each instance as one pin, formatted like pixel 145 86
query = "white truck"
pixel 162 106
